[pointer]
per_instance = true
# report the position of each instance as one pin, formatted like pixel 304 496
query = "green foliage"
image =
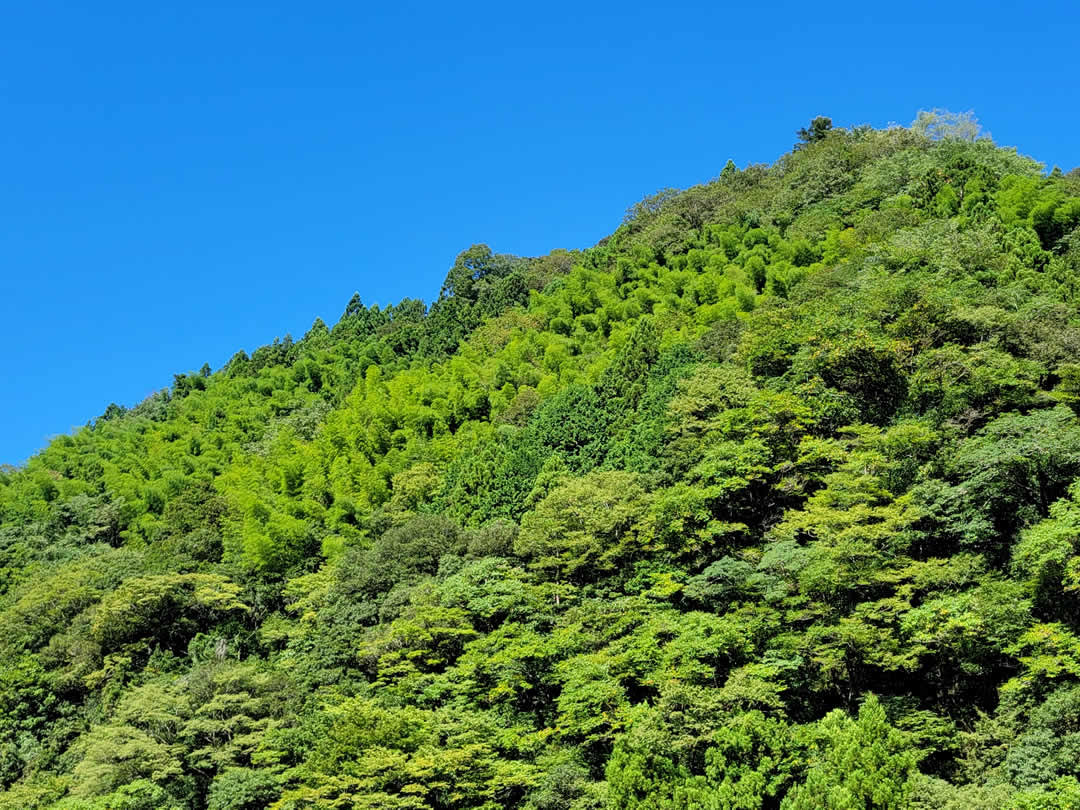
pixel 647 525
pixel 752 763
pixel 817 130
pixel 242 789
pixel 586 526
pixel 938 123
pixel 861 763
pixel 169 607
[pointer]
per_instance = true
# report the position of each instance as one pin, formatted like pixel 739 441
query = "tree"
pixel 114 755
pixel 243 789
pixel 857 764
pixel 641 772
pixel 751 764
pixel 940 124
pixel 818 129
pixel 586 527
pixel 623 383
pixel 169 608
pixel 474 271
pixel 1006 478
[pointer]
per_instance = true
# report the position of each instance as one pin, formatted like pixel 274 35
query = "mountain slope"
pixel 766 500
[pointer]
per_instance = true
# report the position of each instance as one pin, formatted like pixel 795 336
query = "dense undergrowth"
pixel 769 499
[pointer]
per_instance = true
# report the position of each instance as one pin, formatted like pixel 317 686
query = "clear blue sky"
pixel 183 180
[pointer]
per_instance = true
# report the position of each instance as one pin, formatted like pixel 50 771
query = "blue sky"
pixel 183 180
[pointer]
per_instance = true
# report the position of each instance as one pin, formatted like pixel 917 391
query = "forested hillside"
pixel 771 499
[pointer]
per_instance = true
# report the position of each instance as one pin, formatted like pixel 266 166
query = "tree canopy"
pixel 770 499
